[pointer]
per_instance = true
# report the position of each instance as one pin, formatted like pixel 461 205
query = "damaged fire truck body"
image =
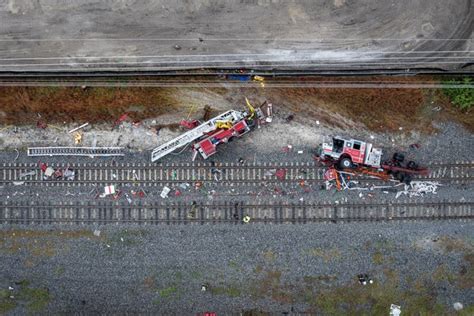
pixel 362 157
pixel 204 137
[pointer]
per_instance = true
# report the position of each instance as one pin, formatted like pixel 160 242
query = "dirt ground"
pixel 379 110
pixel 160 34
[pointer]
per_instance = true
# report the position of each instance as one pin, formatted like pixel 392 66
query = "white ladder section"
pixel 195 133
pixel 75 151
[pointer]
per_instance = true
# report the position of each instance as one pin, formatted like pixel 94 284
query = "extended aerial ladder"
pixel 196 133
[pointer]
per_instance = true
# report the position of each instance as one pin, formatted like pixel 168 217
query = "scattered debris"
pixel 18 182
pixel 289 118
pixel 164 192
pixel 204 287
pixel 415 146
pixel 419 188
pixel 97 233
pixel 246 219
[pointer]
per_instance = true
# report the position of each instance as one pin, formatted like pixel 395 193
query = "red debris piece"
pixel 280 174
pixel 189 124
pixel 122 118
pixel 41 124
pixel 177 193
pixel 43 166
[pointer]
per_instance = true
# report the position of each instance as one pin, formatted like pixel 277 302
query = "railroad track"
pixel 24 213
pixel 148 174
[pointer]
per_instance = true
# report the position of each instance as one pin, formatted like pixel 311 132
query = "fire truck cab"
pixel 351 152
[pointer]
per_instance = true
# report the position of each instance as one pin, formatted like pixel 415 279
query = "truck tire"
pixel 345 163
pixel 398 157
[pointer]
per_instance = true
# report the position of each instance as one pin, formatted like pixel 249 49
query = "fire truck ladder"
pixel 194 134
pixel 75 151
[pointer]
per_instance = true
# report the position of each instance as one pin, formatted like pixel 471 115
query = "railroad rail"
pixel 24 213
pixel 148 174
pixel 75 151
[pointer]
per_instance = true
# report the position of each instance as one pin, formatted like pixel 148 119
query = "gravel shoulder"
pixel 270 268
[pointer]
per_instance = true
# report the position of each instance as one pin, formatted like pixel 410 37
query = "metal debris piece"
pixel 78 128
pixel 17 155
pixel 97 233
pixel 18 182
pixel 75 151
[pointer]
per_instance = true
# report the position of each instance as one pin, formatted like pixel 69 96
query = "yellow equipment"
pixel 224 124
pixel 251 109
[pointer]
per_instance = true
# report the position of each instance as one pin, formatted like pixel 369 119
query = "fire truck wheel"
pixel 398 157
pixel 401 177
pixel 407 179
pixel 345 163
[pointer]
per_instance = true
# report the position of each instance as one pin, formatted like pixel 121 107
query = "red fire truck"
pixel 359 155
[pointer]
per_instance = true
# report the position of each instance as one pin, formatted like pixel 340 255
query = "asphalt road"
pixel 53 35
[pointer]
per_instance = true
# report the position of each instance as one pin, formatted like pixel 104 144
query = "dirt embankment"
pixel 378 109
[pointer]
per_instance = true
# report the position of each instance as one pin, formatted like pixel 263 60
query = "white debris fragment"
pixel 108 190
pixel 108 246
pixel 49 172
pixel 26 174
pixel 300 152
pixel 372 136
pixel 121 239
pixel 419 188
pixel 10 288
pixel 395 310
pixel 97 233
pixel 317 122
pixel 18 182
pixel 458 306
pixel 78 128
pixel 164 192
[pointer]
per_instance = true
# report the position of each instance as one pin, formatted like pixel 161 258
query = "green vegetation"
pixel 168 291
pixel 36 299
pixel 463 98
pixel 231 291
pixel 378 258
